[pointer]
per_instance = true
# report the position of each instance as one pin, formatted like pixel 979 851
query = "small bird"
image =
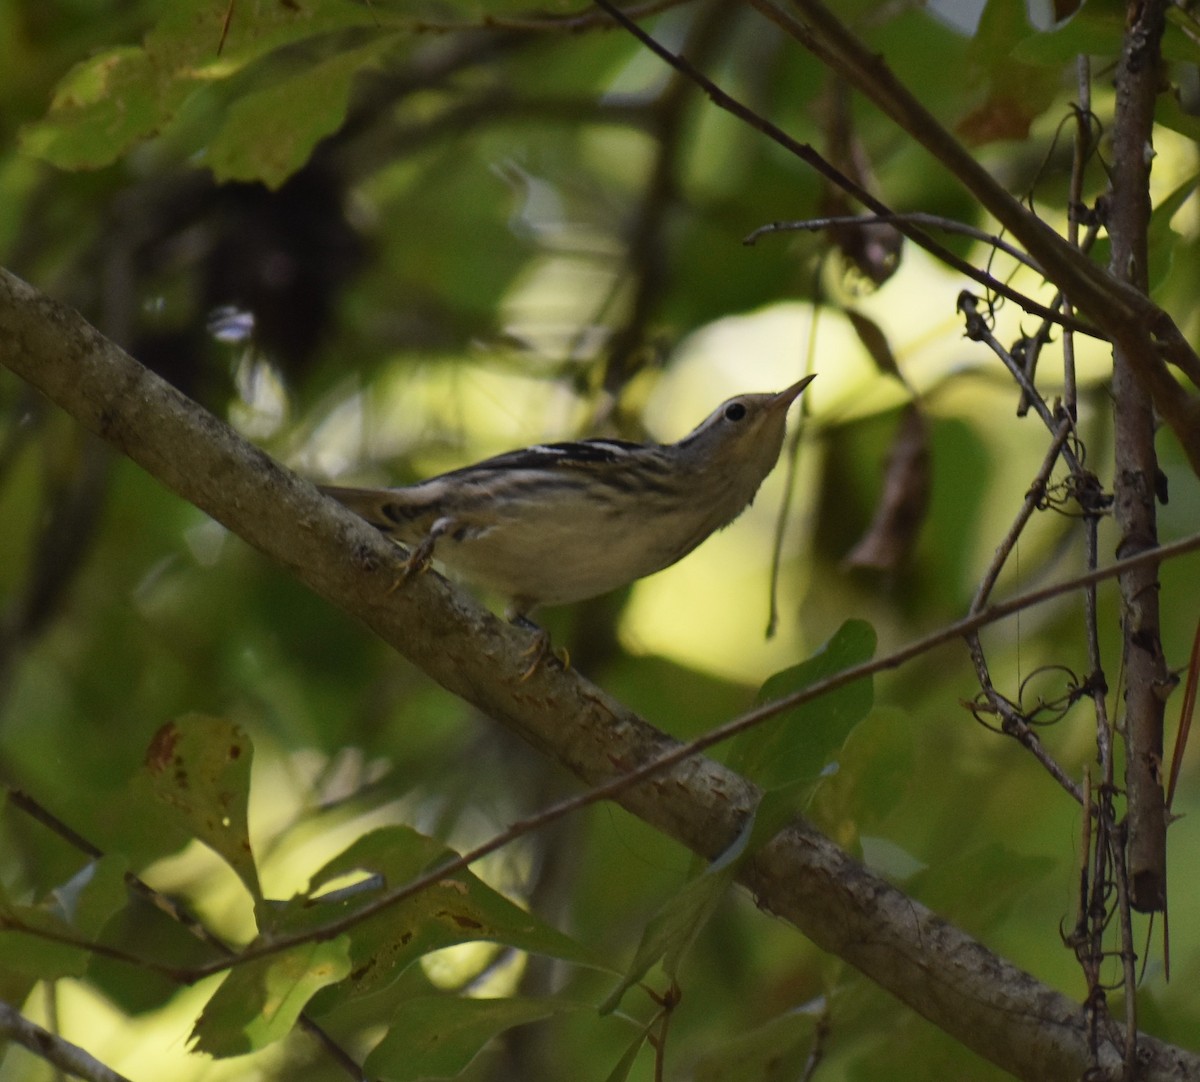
pixel 562 522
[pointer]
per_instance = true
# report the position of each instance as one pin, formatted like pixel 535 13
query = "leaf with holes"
pixel 199 769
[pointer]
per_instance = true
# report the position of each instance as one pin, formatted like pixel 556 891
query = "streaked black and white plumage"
pixel 561 522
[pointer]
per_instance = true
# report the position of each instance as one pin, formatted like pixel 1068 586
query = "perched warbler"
pixel 561 522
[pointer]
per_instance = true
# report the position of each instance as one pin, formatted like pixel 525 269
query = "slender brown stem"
pixel 1033 499
pixel 929 221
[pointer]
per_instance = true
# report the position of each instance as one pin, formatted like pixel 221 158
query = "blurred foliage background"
pixel 385 239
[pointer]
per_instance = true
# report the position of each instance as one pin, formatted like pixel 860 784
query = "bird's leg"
pixel 419 557
pixel 540 649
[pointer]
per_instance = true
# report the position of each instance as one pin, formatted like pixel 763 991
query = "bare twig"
pixel 53 1049
pixel 1187 711
pixel 816 1052
pixel 1102 832
pixel 978 331
pixel 1034 497
pixel 930 221
pixel 1012 722
pixel 1128 953
pixel 1082 153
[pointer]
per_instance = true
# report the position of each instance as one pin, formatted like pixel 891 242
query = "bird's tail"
pixel 394 511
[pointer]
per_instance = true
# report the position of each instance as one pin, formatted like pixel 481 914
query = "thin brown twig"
pixel 645 280
pixel 1102 833
pixel 1033 498
pixel 1012 722
pixel 792 468
pixel 816 1052
pixel 1060 302
pixel 1187 710
pixel 978 331
pixel 667 1002
pixel 11 922
pixel 931 221
pixel 1128 954
pixel 1081 154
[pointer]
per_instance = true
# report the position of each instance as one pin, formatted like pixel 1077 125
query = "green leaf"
pixel 458 908
pixel 395 853
pixel 777 807
pixel 886 858
pixel 37 941
pixel 950 885
pixel 1162 237
pixel 253 145
pixel 1015 93
pixel 106 104
pixel 259 1002
pixel 787 755
pixel 798 745
pixel 199 768
pixel 100 109
pixel 436 1037
pixel 876 767
pixel 673 929
pixel 1163 240
pixel 776 1051
pixel 188 32
pixel 624 1065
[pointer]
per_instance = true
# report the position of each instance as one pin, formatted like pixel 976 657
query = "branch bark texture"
pixel 990 1005
pixel 1135 484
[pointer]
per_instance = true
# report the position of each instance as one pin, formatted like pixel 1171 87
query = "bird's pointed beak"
pixel 786 397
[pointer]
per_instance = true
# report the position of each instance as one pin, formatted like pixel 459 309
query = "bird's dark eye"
pixel 735 411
